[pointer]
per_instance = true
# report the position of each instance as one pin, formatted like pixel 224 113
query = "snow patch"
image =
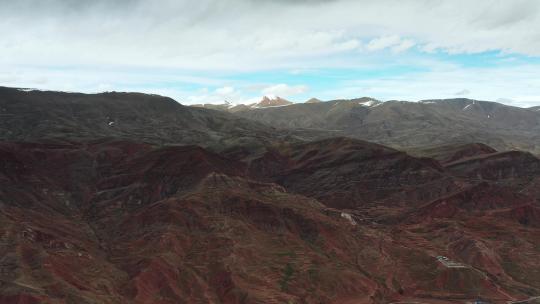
pixel 348 217
pixel 469 105
pixel 256 106
pixel 368 103
pixel 26 90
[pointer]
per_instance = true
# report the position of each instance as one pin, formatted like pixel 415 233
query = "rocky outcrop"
pixel 348 173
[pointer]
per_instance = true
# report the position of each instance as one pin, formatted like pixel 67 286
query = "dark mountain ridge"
pixel 48 115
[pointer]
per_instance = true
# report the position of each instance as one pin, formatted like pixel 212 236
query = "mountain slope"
pixel 450 153
pixel 409 125
pixel 39 115
pixel 122 222
pixel 346 173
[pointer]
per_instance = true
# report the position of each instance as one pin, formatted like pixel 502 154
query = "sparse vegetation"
pixel 288 272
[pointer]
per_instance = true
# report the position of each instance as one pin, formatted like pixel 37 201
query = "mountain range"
pixel 135 198
pixel 408 125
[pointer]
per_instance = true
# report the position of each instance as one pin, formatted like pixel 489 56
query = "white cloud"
pixel 225 90
pixel 383 42
pixel 217 96
pixel 483 83
pixel 212 34
pixel 284 90
pixel 395 43
pixel 403 46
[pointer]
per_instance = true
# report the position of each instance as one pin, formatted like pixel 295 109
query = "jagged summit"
pixel 271 101
pixel 266 101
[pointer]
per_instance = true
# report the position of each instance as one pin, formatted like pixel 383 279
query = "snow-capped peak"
pixel 271 101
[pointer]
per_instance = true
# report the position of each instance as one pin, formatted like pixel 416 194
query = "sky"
pixel 209 51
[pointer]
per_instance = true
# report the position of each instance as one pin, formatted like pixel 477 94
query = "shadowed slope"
pixel 42 115
pixel 451 153
pixel 348 173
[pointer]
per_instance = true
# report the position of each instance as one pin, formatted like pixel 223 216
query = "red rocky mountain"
pixel 256 218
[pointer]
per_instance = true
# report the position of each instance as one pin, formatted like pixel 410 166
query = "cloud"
pixel 225 90
pixel 486 83
pixel 395 43
pixel 403 46
pixel 284 90
pixel 383 42
pixel 217 96
pixel 462 92
pixel 242 34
